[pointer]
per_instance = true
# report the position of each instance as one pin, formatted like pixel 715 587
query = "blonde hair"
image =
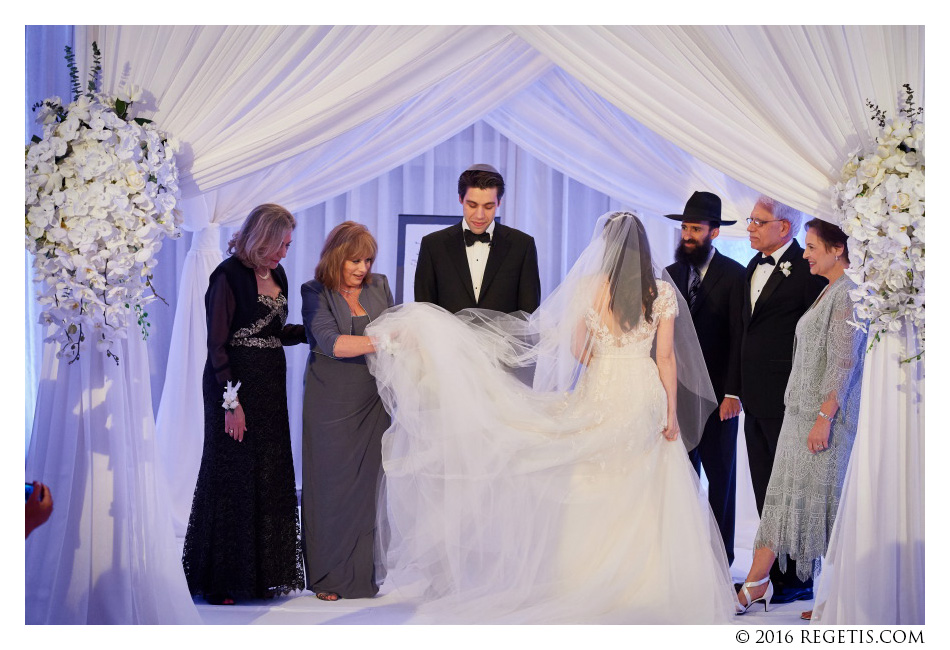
pixel 349 240
pixel 261 234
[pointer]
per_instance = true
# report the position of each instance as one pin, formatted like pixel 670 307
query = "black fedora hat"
pixel 702 206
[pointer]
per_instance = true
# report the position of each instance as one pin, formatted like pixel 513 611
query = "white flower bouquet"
pixel 101 195
pixel 879 202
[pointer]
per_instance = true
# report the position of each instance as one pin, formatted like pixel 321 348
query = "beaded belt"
pixel 257 342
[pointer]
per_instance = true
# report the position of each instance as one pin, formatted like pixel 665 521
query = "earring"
pixel 836 258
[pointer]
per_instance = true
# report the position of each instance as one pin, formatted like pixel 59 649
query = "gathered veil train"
pixel 527 479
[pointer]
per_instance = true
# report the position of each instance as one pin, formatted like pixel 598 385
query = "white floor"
pixel 303 608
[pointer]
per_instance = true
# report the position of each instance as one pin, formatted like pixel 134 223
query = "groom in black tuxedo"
pixel 479 263
pixel 712 285
pixel 779 288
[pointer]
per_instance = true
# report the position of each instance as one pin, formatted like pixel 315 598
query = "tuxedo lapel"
pixel 747 290
pixel 680 277
pixel 455 244
pixel 770 285
pixel 499 250
pixel 712 277
pixel 776 278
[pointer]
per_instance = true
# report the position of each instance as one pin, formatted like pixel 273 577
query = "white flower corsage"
pixel 230 397
pixel 786 268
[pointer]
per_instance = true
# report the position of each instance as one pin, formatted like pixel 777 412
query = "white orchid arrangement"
pixel 879 202
pixel 101 195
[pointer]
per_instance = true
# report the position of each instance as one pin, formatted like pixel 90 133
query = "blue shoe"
pixel 791 594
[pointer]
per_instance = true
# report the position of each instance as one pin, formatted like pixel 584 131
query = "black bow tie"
pixel 471 238
pixel 766 260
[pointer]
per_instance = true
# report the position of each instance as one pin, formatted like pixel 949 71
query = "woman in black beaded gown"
pixel 243 534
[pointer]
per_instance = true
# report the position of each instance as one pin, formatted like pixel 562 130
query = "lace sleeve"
pixel 665 304
pixel 844 349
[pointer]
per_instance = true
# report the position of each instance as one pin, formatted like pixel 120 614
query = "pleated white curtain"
pixel 108 554
pixel 777 108
pixel 247 97
pixel 874 570
pixel 563 123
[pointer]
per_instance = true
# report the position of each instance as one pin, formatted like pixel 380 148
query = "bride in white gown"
pixel 568 501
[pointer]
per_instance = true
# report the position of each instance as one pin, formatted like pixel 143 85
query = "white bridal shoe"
pixel 765 598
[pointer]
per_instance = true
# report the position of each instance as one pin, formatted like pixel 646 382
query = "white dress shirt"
pixel 762 273
pixel 477 255
pixel 705 267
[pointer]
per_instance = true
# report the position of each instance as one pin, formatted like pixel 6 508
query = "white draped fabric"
pixel 645 115
pixel 108 555
pixel 247 97
pixel 776 107
pixel 569 127
pixel 873 573
pixel 182 458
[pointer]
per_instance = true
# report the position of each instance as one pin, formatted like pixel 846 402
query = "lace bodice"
pixel 828 352
pixel 638 342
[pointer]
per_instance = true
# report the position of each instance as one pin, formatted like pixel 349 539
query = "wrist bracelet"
pixel 824 415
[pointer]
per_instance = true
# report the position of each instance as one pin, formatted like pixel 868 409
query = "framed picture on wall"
pixel 412 228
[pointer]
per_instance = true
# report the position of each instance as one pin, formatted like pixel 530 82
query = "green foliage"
pixel 908 109
pixel 73 72
pixel 93 85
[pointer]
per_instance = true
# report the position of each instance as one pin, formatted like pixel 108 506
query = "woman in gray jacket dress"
pixel 343 417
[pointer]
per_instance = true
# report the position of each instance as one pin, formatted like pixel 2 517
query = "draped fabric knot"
pixel 207 239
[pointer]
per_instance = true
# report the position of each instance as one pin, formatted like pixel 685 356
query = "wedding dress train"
pixel 506 504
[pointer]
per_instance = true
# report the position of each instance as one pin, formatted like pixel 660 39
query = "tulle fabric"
pixel 545 499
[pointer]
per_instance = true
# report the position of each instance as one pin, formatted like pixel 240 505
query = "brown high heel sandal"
pixel 331 596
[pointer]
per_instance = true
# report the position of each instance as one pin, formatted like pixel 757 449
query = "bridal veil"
pixel 492 442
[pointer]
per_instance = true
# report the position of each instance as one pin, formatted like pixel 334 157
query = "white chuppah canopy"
pixel 295 115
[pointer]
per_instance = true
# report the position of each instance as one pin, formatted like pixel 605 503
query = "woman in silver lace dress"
pixel 242 539
pixel 821 416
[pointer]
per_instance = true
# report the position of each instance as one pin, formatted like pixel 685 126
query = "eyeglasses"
pixel 759 223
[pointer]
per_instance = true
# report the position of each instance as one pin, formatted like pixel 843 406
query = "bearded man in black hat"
pixel 479 263
pixel 713 287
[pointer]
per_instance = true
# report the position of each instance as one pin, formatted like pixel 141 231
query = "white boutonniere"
pixel 786 268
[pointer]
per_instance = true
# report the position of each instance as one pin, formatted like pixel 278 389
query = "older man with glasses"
pixel 779 288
